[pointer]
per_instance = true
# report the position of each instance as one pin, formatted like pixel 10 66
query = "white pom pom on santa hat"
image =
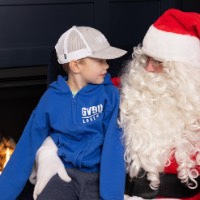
pixel 175 36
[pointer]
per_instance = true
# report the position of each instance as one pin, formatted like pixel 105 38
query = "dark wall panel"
pixel 30 31
pixel 130 20
pixel 188 5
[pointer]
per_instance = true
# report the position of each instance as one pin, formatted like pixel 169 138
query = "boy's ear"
pixel 73 65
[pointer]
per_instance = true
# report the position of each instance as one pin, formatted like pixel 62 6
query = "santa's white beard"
pixel 159 113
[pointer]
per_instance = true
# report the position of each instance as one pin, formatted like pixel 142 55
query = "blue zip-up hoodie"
pixel 85 130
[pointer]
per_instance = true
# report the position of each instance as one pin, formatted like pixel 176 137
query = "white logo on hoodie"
pixel 91 113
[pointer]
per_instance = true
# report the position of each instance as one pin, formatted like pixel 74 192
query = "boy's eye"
pixel 102 60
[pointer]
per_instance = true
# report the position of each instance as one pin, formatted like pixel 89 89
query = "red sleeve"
pixel 116 81
pixel 172 168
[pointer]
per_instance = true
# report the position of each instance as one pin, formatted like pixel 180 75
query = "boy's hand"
pixel 48 164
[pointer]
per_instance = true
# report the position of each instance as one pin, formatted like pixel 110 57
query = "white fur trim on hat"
pixel 174 36
pixel 168 46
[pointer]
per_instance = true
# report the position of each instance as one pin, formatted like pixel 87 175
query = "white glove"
pixel 48 164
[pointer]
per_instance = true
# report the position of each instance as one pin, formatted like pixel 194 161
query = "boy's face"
pixel 93 70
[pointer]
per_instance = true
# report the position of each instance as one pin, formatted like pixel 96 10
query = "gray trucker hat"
pixel 81 41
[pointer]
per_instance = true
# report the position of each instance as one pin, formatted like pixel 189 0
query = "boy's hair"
pixel 80 42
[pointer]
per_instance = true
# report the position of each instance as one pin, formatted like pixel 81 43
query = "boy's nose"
pixel 106 66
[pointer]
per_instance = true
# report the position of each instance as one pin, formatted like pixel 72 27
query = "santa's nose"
pixel 153 65
pixel 149 67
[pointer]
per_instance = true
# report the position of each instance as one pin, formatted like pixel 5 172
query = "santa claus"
pixel 159 114
pixel 160 110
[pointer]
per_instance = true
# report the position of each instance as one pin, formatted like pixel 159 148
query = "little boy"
pixel 79 112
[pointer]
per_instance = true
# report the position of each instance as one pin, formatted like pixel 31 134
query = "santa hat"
pixel 175 36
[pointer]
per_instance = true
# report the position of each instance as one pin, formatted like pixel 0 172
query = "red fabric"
pixel 197 197
pixel 176 21
pixel 172 168
pixel 116 81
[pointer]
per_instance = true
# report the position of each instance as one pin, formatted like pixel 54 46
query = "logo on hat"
pixel 101 39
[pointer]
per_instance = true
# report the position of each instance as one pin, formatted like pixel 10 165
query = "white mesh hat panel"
pixel 81 42
pixel 74 42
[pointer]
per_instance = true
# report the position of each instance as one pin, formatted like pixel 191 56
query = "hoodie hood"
pixel 61 86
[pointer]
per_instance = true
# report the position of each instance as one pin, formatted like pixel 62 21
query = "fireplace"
pixel 21 89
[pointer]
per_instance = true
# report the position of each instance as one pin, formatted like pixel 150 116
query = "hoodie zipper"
pixel 74 104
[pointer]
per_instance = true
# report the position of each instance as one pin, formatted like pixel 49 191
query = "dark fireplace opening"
pixel 16 105
pixel 18 97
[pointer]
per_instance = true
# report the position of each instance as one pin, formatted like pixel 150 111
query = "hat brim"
pixel 109 53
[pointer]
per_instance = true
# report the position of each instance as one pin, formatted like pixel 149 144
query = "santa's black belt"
pixel 170 187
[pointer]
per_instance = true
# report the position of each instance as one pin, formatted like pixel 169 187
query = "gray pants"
pixel 83 186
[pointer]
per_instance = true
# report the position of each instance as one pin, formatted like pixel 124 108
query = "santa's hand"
pixel 48 164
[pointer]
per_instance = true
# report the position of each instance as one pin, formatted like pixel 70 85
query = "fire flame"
pixel 8 155
pixel 7 147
